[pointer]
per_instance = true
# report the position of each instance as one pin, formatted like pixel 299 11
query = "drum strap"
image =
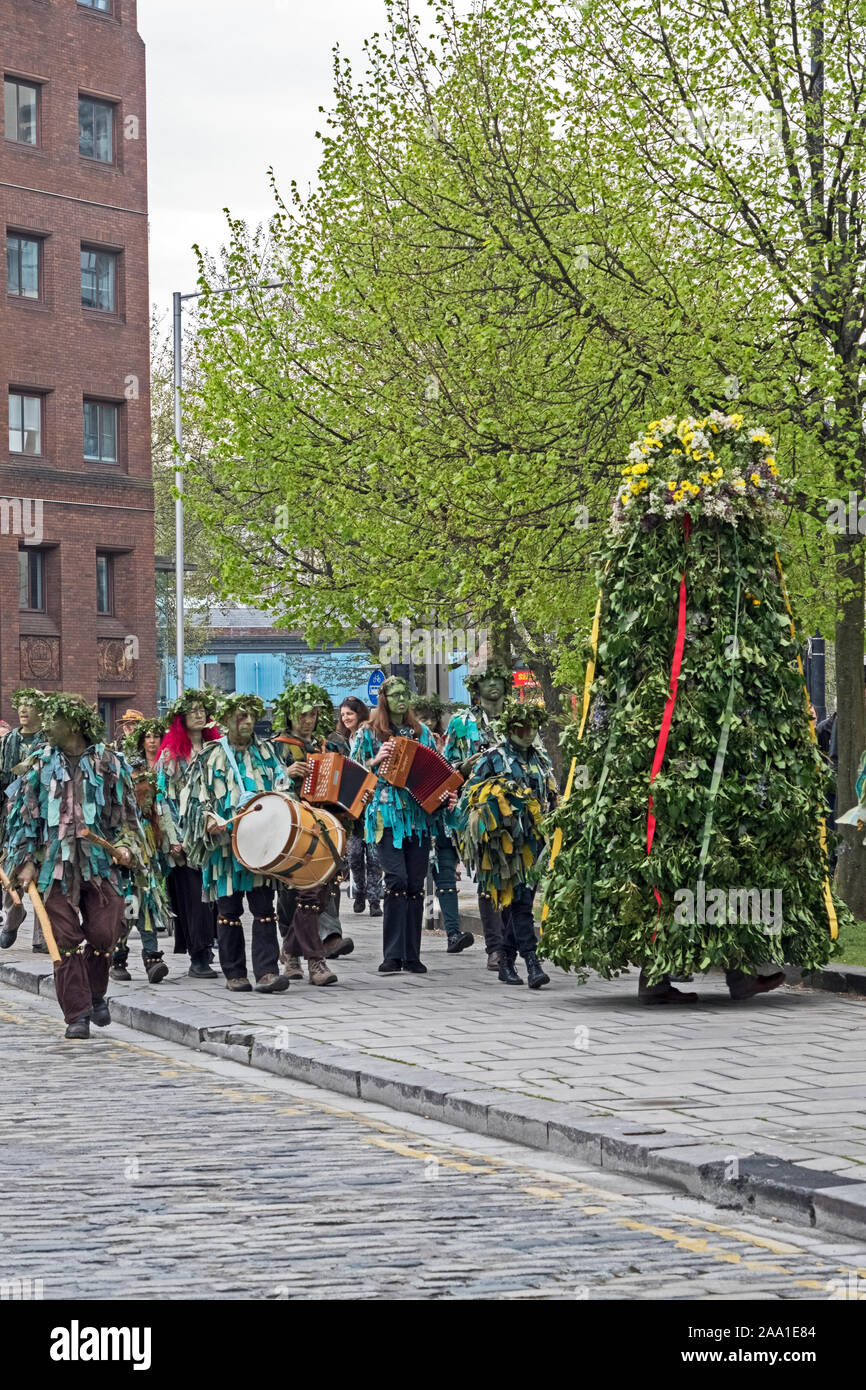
pixel 310 851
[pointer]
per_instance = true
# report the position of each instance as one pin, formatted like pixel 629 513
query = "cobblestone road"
pixel 782 1074
pixel 136 1169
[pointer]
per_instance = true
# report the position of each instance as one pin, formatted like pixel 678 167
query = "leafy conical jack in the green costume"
pixel 690 573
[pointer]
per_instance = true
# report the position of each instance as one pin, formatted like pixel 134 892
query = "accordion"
pixel 422 771
pixel 333 780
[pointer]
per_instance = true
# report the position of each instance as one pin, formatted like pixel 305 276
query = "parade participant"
pixel 191 728
pixel 510 789
pixel 19 745
pixel 73 783
pixel 305 715
pixel 695 836
pixel 363 858
pixel 144 891
pixel 228 772
pixel 471 732
pixel 401 830
pixel 126 725
pixel 445 858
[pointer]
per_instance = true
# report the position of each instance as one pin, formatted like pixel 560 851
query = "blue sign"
pixel 374 685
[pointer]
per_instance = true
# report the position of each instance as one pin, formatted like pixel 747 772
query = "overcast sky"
pixel 233 87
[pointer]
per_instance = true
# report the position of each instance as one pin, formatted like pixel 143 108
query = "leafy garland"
pixel 229 704
pixel 75 709
pixel 502 673
pixel 516 712
pixel 300 699
pixel 27 696
pixel 209 698
pixel 715 467
pixel 133 743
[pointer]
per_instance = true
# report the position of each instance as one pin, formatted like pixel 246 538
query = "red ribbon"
pixel 668 713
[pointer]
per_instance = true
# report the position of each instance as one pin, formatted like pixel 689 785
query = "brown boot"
pixel 239 984
pixel 747 986
pixel 662 992
pixel 271 984
pixel 494 959
pixel 320 974
pixel 292 968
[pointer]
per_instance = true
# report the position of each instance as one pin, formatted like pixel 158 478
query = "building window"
pixel 100 432
pixel 96 129
pixel 20 108
pixel 25 423
pixel 22 265
pixel 31 580
pixel 104 584
pixel 104 6
pixel 106 714
pixel 98 280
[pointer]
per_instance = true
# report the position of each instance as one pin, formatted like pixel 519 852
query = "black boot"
pixel 199 966
pixel 535 976
pixel 458 941
pixel 118 969
pixel 99 1013
pixel 507 974
pixel 155 966
pixel 79 1028
pixel 8 937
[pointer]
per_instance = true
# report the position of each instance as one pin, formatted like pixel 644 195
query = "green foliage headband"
pixel 429 704
pixel 73 708
pixel 514 714
pixel 230 704
pixel 502 673
pixel 391 684
pixel 207 698
pixel 134 741
pixel 300 699
pixel 27 696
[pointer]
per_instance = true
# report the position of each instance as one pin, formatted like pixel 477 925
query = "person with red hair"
pixel 190 729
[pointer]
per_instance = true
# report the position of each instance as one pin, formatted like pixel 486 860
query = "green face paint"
pixel 523 735
pixel 398 697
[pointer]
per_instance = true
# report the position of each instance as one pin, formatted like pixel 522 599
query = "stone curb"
pixel 763 1184
pixel 837 979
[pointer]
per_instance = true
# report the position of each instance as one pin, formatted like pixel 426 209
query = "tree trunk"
pixel 851 707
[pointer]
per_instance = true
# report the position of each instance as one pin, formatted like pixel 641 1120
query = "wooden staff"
pixel 16 897
pixel 114 850
pixel 45 922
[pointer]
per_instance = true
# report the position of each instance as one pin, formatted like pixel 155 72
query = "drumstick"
pixel 240 815
pixel 16 897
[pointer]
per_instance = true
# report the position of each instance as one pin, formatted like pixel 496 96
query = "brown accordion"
pixel 333 780
pixel 422 771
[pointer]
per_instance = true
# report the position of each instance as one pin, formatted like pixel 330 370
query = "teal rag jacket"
pixel 392 808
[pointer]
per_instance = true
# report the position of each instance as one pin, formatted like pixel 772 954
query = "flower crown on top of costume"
pixel 717 466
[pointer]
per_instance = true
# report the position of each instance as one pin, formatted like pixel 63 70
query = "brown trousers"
pixel 83 976
pixel 298 915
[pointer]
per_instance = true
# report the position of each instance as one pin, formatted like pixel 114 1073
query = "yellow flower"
pixel 640 468
pixel 756 479
pixel 717 473
pixel 676 451
pixel 738 482
pixel 672 485
pixel 770 460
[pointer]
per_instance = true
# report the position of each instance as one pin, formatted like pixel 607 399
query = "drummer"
pixel 396 823
pixel 309 922
pixel 229 772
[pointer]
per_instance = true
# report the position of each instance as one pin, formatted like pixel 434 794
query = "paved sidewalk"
pixel 781 1075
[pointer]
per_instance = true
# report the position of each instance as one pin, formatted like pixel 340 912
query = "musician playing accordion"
pixel 396 823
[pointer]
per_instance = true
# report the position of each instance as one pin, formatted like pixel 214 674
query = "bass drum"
pixel 282 838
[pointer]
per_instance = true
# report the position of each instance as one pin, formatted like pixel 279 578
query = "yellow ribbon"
pixel 556 843
pixel 822 825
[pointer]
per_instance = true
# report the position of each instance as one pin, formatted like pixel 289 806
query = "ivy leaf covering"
pixel 739 673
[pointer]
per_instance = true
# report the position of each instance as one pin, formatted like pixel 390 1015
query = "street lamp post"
pixel 177 318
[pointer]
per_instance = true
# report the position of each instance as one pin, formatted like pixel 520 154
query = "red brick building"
pixel 76 499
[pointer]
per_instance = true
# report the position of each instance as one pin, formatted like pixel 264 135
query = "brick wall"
pixel 65 352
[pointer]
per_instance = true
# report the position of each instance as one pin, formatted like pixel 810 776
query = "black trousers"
pixel 405 872
pixel 518 925
pixel 491 923
pixel 365 868
pixel 196 920
pixel 232 948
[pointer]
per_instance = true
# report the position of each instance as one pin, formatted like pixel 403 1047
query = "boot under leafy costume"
pixel 309 925
pixel 693 837
pixel 71 784
pixel 500 830
pixel 18 745
pixel 146 903
pixel 229 772
pixel 470 733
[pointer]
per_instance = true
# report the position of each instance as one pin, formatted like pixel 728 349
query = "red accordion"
pixel 422 771
pixel 333 780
